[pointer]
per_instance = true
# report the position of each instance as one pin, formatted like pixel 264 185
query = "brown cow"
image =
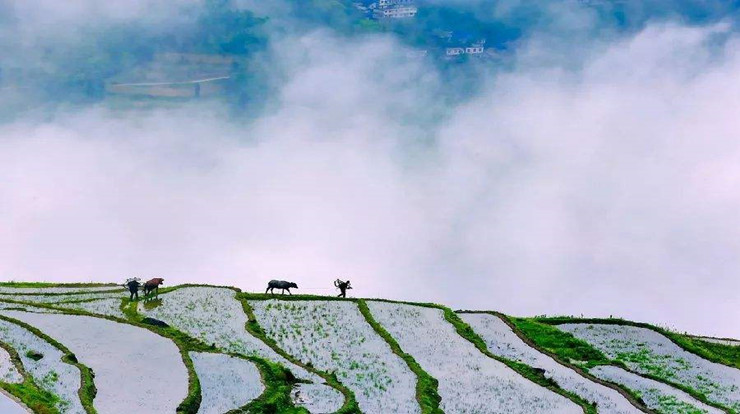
pixel 153 286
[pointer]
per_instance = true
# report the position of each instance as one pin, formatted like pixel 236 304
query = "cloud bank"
pixel 597 187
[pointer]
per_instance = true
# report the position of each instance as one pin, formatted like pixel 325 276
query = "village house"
pixel 460 44
pixel 475 49
pixel 395 12
pixel 388 9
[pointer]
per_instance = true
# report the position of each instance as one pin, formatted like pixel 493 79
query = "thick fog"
pixel 591 173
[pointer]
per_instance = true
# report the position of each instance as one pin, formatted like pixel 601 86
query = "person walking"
pixel 343 287
pixel 133 287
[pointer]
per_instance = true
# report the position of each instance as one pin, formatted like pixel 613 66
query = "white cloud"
pixel 603 190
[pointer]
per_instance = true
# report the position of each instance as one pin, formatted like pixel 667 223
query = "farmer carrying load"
pixel 133 286
pixel 342 286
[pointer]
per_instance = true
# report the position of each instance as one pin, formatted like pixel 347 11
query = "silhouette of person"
pixel 133 287
pixel 343 286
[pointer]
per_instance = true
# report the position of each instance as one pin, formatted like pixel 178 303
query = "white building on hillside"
pixel 475 49
pixel 395 12
pixel 393 9
pixel 388 3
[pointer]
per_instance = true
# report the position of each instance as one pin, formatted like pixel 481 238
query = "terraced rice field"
pixel 658 396
pixel 109 307
pixel 468 380
pixel 334 336
pixel 195 350
pixel 123 357
pixel 648 352
pixel 43 362
pixel 227 382
pixel 215 316
pixel 502 341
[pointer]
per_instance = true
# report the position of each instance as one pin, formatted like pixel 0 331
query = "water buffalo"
pixel 280 284
pixel 153 285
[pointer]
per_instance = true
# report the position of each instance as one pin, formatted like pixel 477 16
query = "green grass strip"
pixel 87 389
pixel 561 343
pixel 719 353
pixel 569 351
pixel 350 405
pixel 277 395
pixel 184 343
pixel 278 380
pixel 426 385
pixel 32 396
pixel 614 321
pixel 28 392
pixel 464 330
pixel 192 401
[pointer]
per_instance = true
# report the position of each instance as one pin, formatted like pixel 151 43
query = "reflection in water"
pixel 152 303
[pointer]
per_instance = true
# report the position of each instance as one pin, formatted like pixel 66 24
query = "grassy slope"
pixel 350 403
pixel 560 343
pixel 426 388
pixel 278 380
pixel 656 375
pixel 719 353
pixel 33 396
pixel 87 389
pixel 426 385
pixel 462 329
pixel 569 351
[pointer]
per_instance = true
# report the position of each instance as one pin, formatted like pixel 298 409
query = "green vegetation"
pixel 671 405
pixel 644 358
pixel 350 403
pixel 276 398
pixel 34 355
pixel 278 381
pixel 286 297
pixel 464 330
pixel 87 389
pixel 99 52
pixel 561 343
pixel 719 353
pixel 567 350
pixel 34 397
pixel 426 385
pixel 224 28
pixel 539 332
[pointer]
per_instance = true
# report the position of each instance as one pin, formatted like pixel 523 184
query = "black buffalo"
pixel 280 284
